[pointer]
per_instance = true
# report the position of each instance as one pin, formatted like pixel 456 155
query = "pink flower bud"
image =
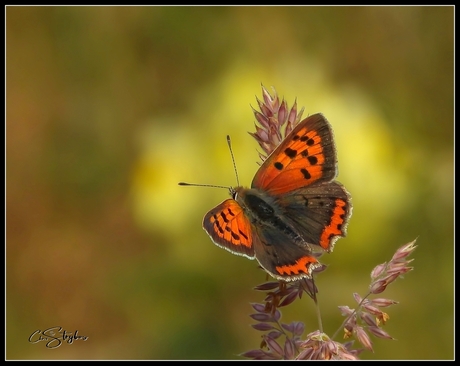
pixel 364 338
pixel 378 270
pixel 378 332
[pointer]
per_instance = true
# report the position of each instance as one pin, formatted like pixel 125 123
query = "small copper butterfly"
pixel 293 208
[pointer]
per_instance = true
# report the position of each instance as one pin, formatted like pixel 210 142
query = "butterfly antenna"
pixel 229 142
pixel 215 186
pixel 201 185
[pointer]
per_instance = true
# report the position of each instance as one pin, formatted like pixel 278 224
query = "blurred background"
pixel 108 108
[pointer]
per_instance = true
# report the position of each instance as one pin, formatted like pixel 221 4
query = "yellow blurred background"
pixel 108 108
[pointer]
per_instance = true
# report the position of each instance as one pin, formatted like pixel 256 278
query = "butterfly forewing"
pixel 307 155
pixel 229 228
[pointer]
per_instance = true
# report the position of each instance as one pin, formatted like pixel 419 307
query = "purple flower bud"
pixel 258 307
pixel 390 278
pixel 299 328
pixel 267 286
pixel 282 113
pixel 261 118
pixel 404 251
pixel 348 356
pixel 381 302
pixel 378 270
pixel 261 317
pixel 378 287
pixel 305 354
pixel 378 332
pixel 289 299
pixel 289 350
pixel 399 270
pixel 272 116
pixel 345 310
pixel 372 309
pixel 265 108
pixel 262 326
pixel 368 319
pixel 364 338
pixel 274 346
pixel 358 298
pixel 255 354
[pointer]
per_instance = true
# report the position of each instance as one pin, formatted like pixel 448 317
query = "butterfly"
pixel 294 208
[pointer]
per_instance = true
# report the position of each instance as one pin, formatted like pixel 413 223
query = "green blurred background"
pixel 109 107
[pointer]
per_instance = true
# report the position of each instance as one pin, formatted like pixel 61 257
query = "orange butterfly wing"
pixel 230 229
pixel 307 155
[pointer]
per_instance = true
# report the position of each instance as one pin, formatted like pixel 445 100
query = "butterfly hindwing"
pixel 283 258
pixel 319 213
pixel 229 228
pixel 307 155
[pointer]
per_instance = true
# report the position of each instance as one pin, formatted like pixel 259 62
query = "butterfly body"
pixel 293 209
pixel 265 213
